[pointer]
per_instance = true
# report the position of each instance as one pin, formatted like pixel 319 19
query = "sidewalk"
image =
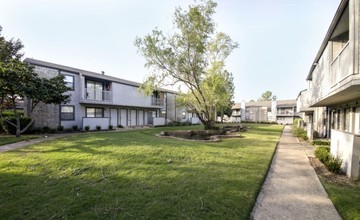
pixel 292 189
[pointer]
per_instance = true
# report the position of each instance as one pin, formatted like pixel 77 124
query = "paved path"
pixel 292 189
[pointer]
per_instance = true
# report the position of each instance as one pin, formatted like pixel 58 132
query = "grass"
pixel 9 139
pixel 136 175
pixel 345 196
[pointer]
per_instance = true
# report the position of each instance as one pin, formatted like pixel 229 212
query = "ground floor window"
pixel 94 112
pixel 67 112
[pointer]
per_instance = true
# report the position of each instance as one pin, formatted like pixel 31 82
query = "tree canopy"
pixel 267 96
pixel 192 57
pixel 18 80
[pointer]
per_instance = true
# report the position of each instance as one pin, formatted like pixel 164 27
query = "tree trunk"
pixel 222 115
pixel 18 132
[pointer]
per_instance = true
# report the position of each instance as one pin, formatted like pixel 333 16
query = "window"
pixel 67 112
pixel 94 112
pixel 94 90
pixel 183 114
pixel 69 81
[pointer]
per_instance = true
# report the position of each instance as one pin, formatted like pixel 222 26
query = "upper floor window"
pixel 69 81
pixel 67 112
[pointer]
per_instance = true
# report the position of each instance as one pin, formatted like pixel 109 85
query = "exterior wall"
pixel 93 122
pixel 347 147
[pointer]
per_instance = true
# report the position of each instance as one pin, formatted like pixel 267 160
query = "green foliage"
pixel 111 127
pixel 45 129
pixel 120 126
pixel 87 128
pixel 334 164
pixel 136 175
pixel 194 56
pixel 178 123
pixel 98 127
pixel 267 96
pixel 75 127
pixel 322 153
pixel 60 128
pixel 321 142
pixel 258 122
pixel 299 132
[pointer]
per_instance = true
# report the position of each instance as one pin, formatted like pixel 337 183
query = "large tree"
pixel 18 80
pixel 267 96
pixel 192 57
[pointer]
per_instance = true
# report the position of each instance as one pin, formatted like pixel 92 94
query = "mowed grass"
pixel 136 175
pixel 345 196
pixel 9 139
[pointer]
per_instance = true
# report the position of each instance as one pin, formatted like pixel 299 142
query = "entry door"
pixel 123 117
pixel 150 117
pixel 133 118
pixel 141 117
pixel 114 117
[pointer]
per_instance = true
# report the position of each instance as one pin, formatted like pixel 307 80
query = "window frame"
pixel 95 115
pixel 73 113
pixel 73 81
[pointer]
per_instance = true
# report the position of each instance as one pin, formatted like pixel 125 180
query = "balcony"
pixel 157 101
pixel 341 66
pixel 236 113
pixel 97 96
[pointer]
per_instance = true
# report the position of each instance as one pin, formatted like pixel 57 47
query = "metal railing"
pixel 98 95
pixel 157 101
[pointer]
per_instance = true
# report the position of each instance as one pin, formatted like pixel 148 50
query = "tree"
pixel 192 57
pixel 18 80
pixel 267 96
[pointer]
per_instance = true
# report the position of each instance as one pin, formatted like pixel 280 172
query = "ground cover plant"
pixel 8 139
pixel 136 175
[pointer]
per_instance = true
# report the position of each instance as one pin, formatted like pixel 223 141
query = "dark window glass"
pixel 94 112
pixel 69 81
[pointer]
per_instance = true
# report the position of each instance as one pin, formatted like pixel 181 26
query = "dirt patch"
pixel 322 171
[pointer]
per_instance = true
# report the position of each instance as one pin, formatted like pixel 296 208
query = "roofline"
pixel 88 73
pixel 331 29
pixel 300 93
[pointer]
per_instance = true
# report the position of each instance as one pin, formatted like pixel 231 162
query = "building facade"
pixel 279 111
pixel 101 100
pixel 333 94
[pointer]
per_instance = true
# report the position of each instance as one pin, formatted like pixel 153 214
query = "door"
pixel 133 118
pixel 114 117
pixel 150 117
pixel 123 117
pixel 140 117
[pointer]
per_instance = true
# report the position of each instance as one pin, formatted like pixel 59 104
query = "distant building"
pixel 279 111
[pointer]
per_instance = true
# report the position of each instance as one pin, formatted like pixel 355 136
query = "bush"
pixel 87 128
pixel 23 122
pixel 299 132
pixel 334 164
pixel 322 153
pixel 75 128
pixel 98 127
pixel 321 142
pixel 120 126
pixel 60 128
pixel 111 127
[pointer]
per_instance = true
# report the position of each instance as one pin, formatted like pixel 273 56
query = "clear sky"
pixel 278 38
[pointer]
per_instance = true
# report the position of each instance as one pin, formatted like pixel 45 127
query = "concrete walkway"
pixel 292 189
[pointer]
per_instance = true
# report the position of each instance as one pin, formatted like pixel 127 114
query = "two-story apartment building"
pixel 280 111
pixel 98 99
pixel 333 91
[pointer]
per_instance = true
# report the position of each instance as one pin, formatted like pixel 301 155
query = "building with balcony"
pixel 98 99
pixel 332 99
pixel 279 111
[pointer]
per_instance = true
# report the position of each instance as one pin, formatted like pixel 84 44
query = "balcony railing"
pixel 285 113
pixel 98 95
pixel 157 101
pixel 340 67
pixel 236 113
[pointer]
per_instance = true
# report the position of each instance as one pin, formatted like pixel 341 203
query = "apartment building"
pixel 98 99
pixel 332 99
pixel 280 111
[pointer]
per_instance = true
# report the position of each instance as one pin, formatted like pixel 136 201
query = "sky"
pixel 278 39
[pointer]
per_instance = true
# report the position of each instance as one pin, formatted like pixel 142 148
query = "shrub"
pixel 111 127
pixel 322 153
pixel 98 127
pixel 321 142
pixel 52 131
pixel 120 126
pixel 334 164
pixel 60 128
pixel 75 127
pixel 87 128
pixel 45 129
pixel 299 132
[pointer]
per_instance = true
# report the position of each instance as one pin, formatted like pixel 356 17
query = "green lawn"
pixel 345 196
pixel 136 175
pixel 8 139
